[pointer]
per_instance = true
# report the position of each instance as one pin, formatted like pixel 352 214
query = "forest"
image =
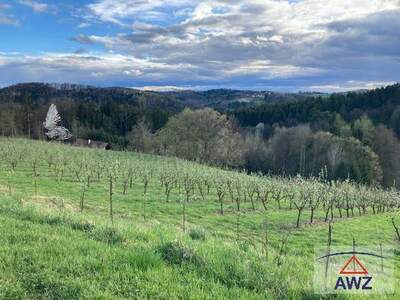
pixel 380 105
pixel 348 135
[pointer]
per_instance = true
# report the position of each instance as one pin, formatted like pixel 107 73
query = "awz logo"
pixel 348 283
pixel 354 282
pixel 364 270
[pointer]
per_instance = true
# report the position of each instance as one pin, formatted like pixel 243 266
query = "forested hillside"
pixel 99 113
pixel 347 136
pixel 380 105
pixel 109 114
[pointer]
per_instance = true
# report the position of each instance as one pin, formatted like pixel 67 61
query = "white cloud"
pixel 237 42
pixel 35 6
pixel 83 25
pixel 6 19
pixel 251 28
pixel 117 11
pixel 91 68
pixel 160 88
pixel 267 70
pixel 351 85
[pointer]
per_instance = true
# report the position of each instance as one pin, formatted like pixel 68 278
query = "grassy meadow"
pixel 59 241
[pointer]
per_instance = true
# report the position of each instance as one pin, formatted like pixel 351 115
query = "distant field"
pixel 60 240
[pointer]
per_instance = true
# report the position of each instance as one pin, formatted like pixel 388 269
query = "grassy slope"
pixel 48 256
pixel 55 253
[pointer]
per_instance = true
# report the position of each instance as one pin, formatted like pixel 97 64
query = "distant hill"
pixel 43 93
pixel 173 100
pixel 223 99
pixel 108 114
pixel 382 105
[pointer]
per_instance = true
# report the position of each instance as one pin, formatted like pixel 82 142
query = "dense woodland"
pixel 380 105
pixel 110 113
pixel 350 135
pixel 101 114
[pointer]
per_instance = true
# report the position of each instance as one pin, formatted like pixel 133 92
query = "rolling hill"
pixel 57 245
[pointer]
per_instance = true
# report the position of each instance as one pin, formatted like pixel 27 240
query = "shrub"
pixel 197 234
pixel 83 226
pixel 176 253
pixel 108 235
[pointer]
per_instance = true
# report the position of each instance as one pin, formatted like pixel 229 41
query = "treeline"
pixel 203 135
pixel 300 150
pixel 105 114
pixel 380 105
pixel 359 151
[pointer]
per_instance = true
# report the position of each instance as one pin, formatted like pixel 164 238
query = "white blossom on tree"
pixel 51 124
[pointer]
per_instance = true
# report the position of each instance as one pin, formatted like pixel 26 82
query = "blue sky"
pixel 277 45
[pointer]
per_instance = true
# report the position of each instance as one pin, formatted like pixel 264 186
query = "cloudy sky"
pixel 283 45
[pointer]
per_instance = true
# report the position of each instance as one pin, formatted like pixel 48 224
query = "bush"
pixel 176 253
pixel 197 234
pixel 84 226
pixel 108 235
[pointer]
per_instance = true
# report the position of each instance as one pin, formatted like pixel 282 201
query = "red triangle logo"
pixel 347 271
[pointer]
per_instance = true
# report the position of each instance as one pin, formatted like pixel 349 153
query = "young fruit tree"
pixel 221 191
pixel 113 172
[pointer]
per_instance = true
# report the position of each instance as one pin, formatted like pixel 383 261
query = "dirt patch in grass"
pixel 3 189
pixel 50 202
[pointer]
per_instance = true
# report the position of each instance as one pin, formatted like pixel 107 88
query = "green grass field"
pixel 49 249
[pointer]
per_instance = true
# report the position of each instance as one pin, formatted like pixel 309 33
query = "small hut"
pixel 92 144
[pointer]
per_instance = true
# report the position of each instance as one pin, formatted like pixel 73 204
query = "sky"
pixel 280 45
